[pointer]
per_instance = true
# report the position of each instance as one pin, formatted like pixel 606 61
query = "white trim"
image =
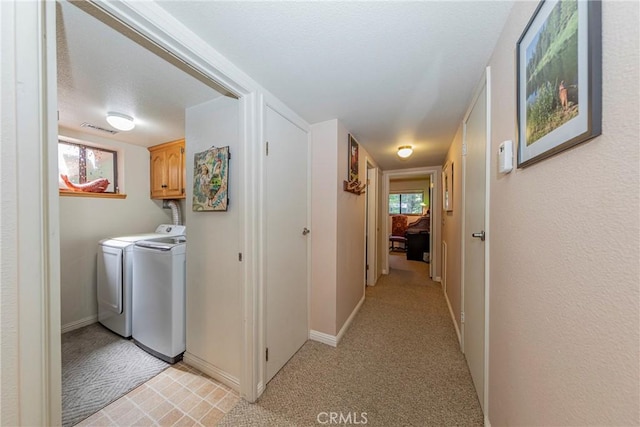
pixel 260 388
pixel 487 244
pixel 486 84
pixel 437 279
pixel 331 340
pixel 77 324
pixel 213 371
pixel 453 319
pixel 487 423
pixel 323 338
pixel 346 325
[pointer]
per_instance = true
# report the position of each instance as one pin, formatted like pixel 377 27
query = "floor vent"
pixel 90 126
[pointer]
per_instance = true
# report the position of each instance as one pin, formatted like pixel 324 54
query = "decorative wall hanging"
pixel 353 184
pixel 210 180
pixel 559 75
pixel 447 187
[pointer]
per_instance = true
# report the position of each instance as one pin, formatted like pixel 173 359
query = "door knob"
pixel 305 231
pixel 479 235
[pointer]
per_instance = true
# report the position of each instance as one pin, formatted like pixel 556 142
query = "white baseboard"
pixel 453 319
pixel 323 338
pixel 334 340
pixel 213 371
pixel 384 271
pixel 89 320
pixel 487 423
pixel 346 325
pixel 437 279
pixel 260 389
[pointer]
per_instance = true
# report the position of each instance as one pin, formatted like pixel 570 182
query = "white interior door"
pixel 474 247
pixel 372 225
pixel 286 241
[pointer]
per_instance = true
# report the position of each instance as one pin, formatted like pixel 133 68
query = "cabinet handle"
pixel 164 185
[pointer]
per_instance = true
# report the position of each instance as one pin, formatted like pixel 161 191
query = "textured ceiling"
pixel 100 70
pixel 393 72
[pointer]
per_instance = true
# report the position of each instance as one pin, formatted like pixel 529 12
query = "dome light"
pixel 120 121
pixel 405 151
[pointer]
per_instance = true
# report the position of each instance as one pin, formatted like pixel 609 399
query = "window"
pixel 406 203
pixel 82 163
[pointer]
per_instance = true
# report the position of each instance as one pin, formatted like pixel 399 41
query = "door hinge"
pixel 267 148
pixel 240 256
pixel 266 354
pixel 462 317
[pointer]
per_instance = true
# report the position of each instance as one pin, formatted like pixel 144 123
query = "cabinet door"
pixel 158 166
pixel 174 172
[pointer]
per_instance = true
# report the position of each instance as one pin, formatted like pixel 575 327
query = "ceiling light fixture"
pixel 405 151
pixel 120 121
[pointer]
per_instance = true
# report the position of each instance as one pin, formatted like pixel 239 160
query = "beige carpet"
pixel 399 363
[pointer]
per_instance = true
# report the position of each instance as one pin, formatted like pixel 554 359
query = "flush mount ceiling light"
pixel 405 151
pixel 120 121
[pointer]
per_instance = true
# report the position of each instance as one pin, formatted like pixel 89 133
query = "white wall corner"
pixel 453 318
pixel 71 326
pixel 323 338
pixel 213 371
pixel 346 325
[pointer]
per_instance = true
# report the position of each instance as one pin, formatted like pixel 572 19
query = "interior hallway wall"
pixel 214 298
pixel 564 297
pixel 452 231
pixel 338 253
pixel 84 221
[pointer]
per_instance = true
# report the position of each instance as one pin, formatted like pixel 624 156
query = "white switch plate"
pixel 505 157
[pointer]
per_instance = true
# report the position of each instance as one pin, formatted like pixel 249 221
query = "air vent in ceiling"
pixel 89 125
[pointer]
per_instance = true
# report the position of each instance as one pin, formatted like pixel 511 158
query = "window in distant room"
pixel 406 203
pixel 83 163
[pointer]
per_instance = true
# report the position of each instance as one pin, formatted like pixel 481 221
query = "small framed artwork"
pixel 353 159
pixel 559 79
pixel 210 180
pixel 447 187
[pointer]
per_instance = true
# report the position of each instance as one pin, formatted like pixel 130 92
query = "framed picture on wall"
pixel 210 180
pixel 447 187
pixel 353 159
pixel 559 79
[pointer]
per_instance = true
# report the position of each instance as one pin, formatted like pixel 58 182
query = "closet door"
pixel 286 300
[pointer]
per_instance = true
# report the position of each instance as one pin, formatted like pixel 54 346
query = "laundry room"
pixel 116 191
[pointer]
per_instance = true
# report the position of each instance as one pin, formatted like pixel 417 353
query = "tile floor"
pixel 178 396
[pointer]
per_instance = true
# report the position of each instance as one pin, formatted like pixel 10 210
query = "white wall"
pixel 324 214
pixel 350 234
pixel 338 250
pixel 214 305
pixel 86 220
pixel 565 246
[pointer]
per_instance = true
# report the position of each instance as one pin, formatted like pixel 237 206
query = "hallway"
pixel 398 364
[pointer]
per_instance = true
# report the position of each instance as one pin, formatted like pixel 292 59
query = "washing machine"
pixel 115 277
pixel 159 296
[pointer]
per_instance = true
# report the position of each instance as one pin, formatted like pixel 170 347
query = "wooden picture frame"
pixel 353 159
pixel 211 180
pixel 559 79
pixel 447 187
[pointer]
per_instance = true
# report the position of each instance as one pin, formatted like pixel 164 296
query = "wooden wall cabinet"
pixel 168 170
